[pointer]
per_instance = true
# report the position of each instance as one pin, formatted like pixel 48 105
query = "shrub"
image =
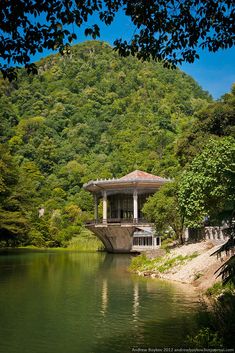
pixel 205 338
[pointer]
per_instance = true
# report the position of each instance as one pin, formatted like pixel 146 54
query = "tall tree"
pixel 207 187
pixel 13 223
pixel 163 210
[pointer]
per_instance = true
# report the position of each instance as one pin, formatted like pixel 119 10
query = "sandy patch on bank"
pixel 199 271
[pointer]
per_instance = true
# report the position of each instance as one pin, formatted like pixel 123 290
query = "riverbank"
pixel 81 243
pixel 189 263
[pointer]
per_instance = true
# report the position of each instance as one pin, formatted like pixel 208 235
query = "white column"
pixel 135 205
pixel 154 242
pixel 96 207
pixel 186 234
pixel 104 207
pixel 119 207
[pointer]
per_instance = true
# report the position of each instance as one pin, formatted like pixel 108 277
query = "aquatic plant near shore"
pixel 205 338
pixel 220 333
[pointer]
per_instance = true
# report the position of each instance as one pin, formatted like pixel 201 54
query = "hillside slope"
pixel 87 116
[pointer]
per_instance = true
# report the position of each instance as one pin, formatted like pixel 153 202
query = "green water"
pixel 70 302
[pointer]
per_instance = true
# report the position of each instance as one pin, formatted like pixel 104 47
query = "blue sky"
pixel 215 72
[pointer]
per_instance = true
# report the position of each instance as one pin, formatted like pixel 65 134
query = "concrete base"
pixel 115 237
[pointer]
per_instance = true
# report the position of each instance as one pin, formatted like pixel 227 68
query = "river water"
pixel 71 302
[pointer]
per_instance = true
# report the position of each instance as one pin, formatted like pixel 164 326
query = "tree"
pixel 207 188
pixel 167 30
pixel 13 221
pixel 163 209
pixel 216 119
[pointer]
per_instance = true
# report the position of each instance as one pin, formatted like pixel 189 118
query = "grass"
pixel 219 288
pixel 85 243
pixel 166 243
pixel 160 264
pixel 205 338
pixel 142 263
pixel 175 261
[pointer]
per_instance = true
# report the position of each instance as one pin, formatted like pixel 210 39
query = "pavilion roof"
pixel 140 175
pixel 137 178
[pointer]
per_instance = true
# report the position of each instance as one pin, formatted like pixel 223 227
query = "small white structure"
pixel 144 239
pixel 41 212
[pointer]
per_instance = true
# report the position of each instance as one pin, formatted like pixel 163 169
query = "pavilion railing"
pixel 138 221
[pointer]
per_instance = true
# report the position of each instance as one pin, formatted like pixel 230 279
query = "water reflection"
pixel 135 301
pixel 104 304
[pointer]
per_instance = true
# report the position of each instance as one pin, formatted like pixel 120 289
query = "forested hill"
pixel 90 115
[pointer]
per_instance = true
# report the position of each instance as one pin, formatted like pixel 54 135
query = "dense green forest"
pixel 92 115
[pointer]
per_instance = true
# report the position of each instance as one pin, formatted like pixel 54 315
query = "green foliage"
pixel 208 187
pixel 163 209
pixel 13 226
pixel 167 241
pixel 86 241
pixel 170 31
pixel 8 174
pixel 93 115
pixel 35 238
pixel 220 332
pixel 175 261
pixel 219 289
pixel 142 263
pixel 205 338
pixel 96 115
pixel 159 264
pixel 13 200
pixel 214 120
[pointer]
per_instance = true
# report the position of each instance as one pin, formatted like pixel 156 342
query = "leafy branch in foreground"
pixel 166 30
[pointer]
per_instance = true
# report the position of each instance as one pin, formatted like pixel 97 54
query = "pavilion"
pixel 122 227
